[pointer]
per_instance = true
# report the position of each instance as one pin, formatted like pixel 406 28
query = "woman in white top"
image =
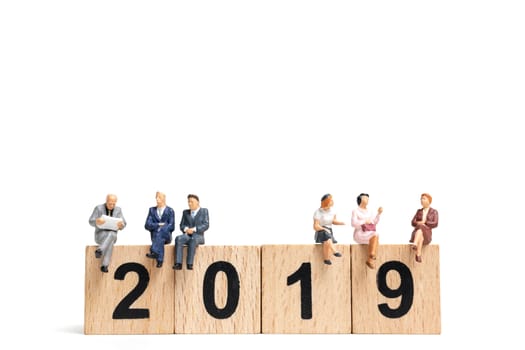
pixel 364 222
pixel 324 218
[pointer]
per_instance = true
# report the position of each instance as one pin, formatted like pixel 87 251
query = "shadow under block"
pixel 111 303
pixel 410 291
pixel 222 292
pixel 301 294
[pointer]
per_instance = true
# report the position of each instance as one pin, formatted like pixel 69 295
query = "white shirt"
pixel 325 217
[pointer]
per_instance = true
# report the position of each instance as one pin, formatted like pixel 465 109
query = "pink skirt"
pixel 362 237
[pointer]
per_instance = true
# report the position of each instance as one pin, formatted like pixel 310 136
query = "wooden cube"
pixel 301 294
pixel 222 292
pixel 134 297
pixel 400 295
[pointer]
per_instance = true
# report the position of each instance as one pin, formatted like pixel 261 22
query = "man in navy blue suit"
pixel 194 223
pixel 160 223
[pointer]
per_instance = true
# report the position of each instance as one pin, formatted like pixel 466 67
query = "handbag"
pixel 368 227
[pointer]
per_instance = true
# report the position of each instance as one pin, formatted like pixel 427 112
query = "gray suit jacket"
pixel 101 210
pixel 201 222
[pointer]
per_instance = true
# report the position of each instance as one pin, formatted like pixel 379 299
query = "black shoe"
pixel 152 255
pixel 177 266
pixel 159 263
pixel 328 262
pixel 189 266
pixel 98 253
pixel 338 254
pixel 104 268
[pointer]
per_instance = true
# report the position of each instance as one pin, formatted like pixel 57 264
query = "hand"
pixel 100 221
pixel 368 221
pixel 120 225
pixel 189 231
pixel 380 210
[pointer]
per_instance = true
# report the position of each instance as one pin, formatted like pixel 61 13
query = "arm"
pixel 204 223
pixel 414 219
pixel 94 216
pixel 183 223
pixel 118 214
pixel 356 221
pixel 432 219
pixel 150 224
pixel 337 222
pixel 317 226
pixel 378 215
pixel 170 225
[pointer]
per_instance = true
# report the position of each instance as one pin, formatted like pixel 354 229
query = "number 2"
pixel 123 310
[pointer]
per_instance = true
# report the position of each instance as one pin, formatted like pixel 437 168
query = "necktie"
pixel 192 214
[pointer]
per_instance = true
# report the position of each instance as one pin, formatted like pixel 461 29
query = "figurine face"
pixel 161 199
pixel 364 201
pixel 424 202
pixel 193 203
pixel 111 201
pixel 329 204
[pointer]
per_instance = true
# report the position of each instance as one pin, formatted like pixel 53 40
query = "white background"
pixel 260 108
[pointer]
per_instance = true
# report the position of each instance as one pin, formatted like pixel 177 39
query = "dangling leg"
pixel 327 251
pixel 107 249
pixel 418 241
pixel 372 249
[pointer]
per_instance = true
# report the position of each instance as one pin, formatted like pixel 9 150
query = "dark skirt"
pixel 324 235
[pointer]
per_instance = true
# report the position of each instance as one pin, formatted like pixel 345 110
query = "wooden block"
pixel 121 302
pixel 400 296
pixel 222 292
pixel 301 294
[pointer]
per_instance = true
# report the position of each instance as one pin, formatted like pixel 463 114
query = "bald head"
pixel 111 201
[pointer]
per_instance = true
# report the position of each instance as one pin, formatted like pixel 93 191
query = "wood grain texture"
pixel 424 315
pixel 191 315
pixel 103 293
pixel 331 291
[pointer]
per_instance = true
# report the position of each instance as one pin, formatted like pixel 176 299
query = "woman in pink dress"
pixel 423 222
pixel 364 222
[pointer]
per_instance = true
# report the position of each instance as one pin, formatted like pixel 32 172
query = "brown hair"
pixel 194 196
pixel 429 197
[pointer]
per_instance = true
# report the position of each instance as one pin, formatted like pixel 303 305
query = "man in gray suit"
pixel 106 238
pixel 194 223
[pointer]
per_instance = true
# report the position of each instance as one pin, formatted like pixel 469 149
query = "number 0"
pixel 208 290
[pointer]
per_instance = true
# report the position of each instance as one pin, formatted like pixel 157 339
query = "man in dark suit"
pixel 160 223
pixel 194 223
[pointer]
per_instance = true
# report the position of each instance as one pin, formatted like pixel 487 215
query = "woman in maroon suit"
pixel 423 222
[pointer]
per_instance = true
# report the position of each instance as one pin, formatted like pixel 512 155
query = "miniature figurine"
pixel 364 222
pixel 160 223
pixel 423 222
pixel 324 218
pixel 194 223
pixel 107 219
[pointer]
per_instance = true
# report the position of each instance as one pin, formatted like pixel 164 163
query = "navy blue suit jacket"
pixel 153 221
pixel 201 221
